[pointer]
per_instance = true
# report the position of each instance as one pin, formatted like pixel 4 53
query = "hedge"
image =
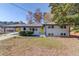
pixel 26 33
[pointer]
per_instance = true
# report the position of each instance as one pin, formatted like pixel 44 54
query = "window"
pixel 52 26
pixel 33 29
pixel 50 34
pixel 24 28
pixel 63 26
pixel 10 30
pixel 63 34
pixel 49 27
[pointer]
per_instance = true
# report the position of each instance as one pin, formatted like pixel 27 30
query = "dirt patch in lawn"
pixel 34 46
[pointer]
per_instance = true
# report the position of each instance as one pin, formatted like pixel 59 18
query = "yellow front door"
pixel 42 30
pixel 18 29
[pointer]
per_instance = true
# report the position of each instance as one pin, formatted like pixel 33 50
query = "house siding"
pixel 8 30
pixel 36 32
pixel 57 30
pixel 1 30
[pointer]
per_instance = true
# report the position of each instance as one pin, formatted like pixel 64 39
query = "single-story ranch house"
pixel 48 29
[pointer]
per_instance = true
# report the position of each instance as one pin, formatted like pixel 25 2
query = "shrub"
pixel 29 33
pixel 22 33
pixel 26 33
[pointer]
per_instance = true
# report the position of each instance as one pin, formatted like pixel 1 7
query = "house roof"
pixel 50 23
pixel 53 23
pixel 23 25
pixel 29 25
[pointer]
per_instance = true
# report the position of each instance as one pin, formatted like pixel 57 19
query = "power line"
pixel 18 6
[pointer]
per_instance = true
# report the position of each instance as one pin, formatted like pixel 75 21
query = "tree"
pixel 47 17
pixel 30 17
pixel 65 13
pixel 38 16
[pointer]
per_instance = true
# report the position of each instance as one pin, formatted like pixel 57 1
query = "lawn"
pixel 36 46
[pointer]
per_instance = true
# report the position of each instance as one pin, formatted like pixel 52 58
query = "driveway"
pixel 9 35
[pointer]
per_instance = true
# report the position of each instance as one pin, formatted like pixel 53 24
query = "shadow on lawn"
pixel 72 36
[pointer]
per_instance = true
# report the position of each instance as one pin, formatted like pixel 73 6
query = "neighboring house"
pixel 1 30
pixel 50 29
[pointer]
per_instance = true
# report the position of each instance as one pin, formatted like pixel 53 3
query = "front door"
pixel 42 30
pixel 18 29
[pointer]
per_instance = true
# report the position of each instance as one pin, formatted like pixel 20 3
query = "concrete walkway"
pixel 7 36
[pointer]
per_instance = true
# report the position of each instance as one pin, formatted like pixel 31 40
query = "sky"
pixel 11 12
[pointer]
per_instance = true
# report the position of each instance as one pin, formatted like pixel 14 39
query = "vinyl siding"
pixel 57 30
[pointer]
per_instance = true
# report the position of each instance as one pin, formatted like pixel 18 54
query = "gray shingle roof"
pixel 23 25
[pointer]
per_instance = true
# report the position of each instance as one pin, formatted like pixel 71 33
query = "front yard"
pixel 39 46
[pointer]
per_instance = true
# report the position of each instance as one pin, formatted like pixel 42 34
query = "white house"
pixel 21 27
pixel 49 29
pixel 52 29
